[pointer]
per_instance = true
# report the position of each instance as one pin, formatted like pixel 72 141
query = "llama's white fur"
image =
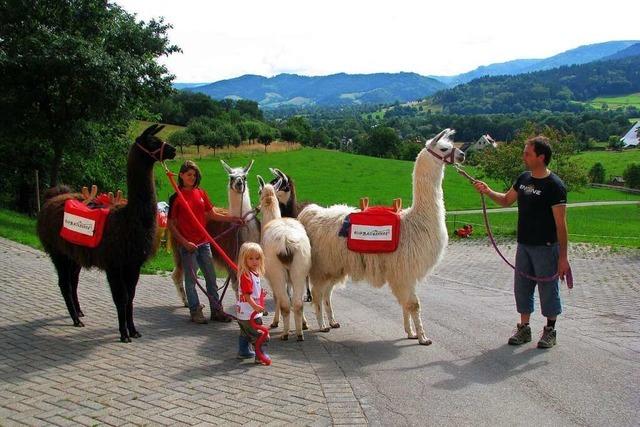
pixel 284 238
pixel 423 237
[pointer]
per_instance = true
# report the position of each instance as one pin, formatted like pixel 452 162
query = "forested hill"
pixel 555 90
pixel 333 90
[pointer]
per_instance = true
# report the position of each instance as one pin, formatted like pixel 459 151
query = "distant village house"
pixel 483 142
pixel 631 139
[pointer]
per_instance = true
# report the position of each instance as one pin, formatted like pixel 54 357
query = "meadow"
pixel 614 162
pixel 329 177
pixel 614 102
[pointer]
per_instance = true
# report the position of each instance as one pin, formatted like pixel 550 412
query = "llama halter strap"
pixel 154 153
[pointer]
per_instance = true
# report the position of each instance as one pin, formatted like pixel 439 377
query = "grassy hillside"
pixel 328 177
pixel 591 224
pixel 614 162
pixel 615 102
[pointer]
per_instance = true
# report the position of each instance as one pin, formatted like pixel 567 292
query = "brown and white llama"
pixel 287 258
pixel 231 235
pixel 423 237
pixel 128 238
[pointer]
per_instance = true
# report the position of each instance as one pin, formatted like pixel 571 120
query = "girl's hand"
pixel 190 246
pixel 237 220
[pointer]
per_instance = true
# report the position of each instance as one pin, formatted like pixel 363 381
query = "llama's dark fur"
pixel 127 240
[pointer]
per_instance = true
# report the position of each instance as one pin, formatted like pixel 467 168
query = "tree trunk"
pixel 57 161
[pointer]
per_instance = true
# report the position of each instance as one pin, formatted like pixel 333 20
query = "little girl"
pixel 250 268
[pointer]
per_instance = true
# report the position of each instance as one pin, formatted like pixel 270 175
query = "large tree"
pixel 70 70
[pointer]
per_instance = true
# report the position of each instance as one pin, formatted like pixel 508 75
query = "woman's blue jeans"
pixel 190 262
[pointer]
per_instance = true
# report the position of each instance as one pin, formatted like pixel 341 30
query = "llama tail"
pixel 56 191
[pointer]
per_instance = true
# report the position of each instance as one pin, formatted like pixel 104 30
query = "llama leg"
pixel 403 297
pixel 75 277
pixel 297 301
pixel 120 299
pixel 177 275
pixel 131 281
pixel 65 267
pixel 317 293
pixel 327 302
pixel 308 298
pixel 278 285
pixel 413 307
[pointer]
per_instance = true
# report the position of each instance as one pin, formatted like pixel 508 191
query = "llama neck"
pixel 141 192
pixel 428 174
pixel 270 212
pixel 239 204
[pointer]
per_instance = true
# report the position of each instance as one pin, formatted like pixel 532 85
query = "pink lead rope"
pixel 569 275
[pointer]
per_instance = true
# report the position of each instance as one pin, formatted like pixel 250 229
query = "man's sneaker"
pixel 197 316
pixel 548 338
pixel 522 335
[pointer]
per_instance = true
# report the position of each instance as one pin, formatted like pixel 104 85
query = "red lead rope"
pixel 264 331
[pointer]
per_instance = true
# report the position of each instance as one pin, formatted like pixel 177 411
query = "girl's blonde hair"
pixel 250 248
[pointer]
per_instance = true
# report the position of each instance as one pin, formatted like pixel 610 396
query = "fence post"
pixel 37 191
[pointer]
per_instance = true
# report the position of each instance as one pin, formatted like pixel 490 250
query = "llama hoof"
pixel 78 323
pixel 412 336
pixel 136 334
pixel 305 327
pixel 273 326
pixel 80 313
pixel 125 339
pixel 300 338
pixel 335 325
pixel 424 340
pixel 285 337
pixel 325 329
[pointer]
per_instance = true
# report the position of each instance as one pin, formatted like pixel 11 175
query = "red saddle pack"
pixel 375 229
pixel 83 225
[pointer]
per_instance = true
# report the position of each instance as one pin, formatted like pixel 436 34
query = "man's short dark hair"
pixel 541 147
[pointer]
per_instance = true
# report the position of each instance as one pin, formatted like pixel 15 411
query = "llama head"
pixel 237 176
pixel 441 148
pixel 282 184
pixel 268 197
pixel 157 149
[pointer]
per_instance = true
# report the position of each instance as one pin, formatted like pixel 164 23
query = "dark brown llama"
pixel 128 235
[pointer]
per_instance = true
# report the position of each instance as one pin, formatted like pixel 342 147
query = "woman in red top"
pixel 195 250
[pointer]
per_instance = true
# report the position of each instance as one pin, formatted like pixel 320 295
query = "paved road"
pixel 363 373
pixel 569 205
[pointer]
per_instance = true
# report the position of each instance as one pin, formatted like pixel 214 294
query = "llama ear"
pixel 273 172
pixel 281 175
pixel 260 183
pixel 158 129
pixel 433 141
pixel 248 167
pixel 226 166
pixel 150 130
pixel 277 184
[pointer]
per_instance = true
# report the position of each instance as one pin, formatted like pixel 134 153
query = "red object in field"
pixel 162 219
pixel 465 231
pixel 82 225
pixel 374 230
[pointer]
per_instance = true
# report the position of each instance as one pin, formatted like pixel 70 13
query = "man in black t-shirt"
pixel 542 239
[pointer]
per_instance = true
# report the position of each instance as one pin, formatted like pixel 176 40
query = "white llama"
pixel 423 237
pixel 231 237
pixel 287 258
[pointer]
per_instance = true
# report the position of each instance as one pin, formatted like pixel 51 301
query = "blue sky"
pixel 226 39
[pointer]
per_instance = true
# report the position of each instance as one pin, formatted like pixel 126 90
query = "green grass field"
pixel 615 102
pixel 614 162
pixel 592 224
pixel 329 177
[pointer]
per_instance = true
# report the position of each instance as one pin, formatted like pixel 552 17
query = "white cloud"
pixel 311 37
